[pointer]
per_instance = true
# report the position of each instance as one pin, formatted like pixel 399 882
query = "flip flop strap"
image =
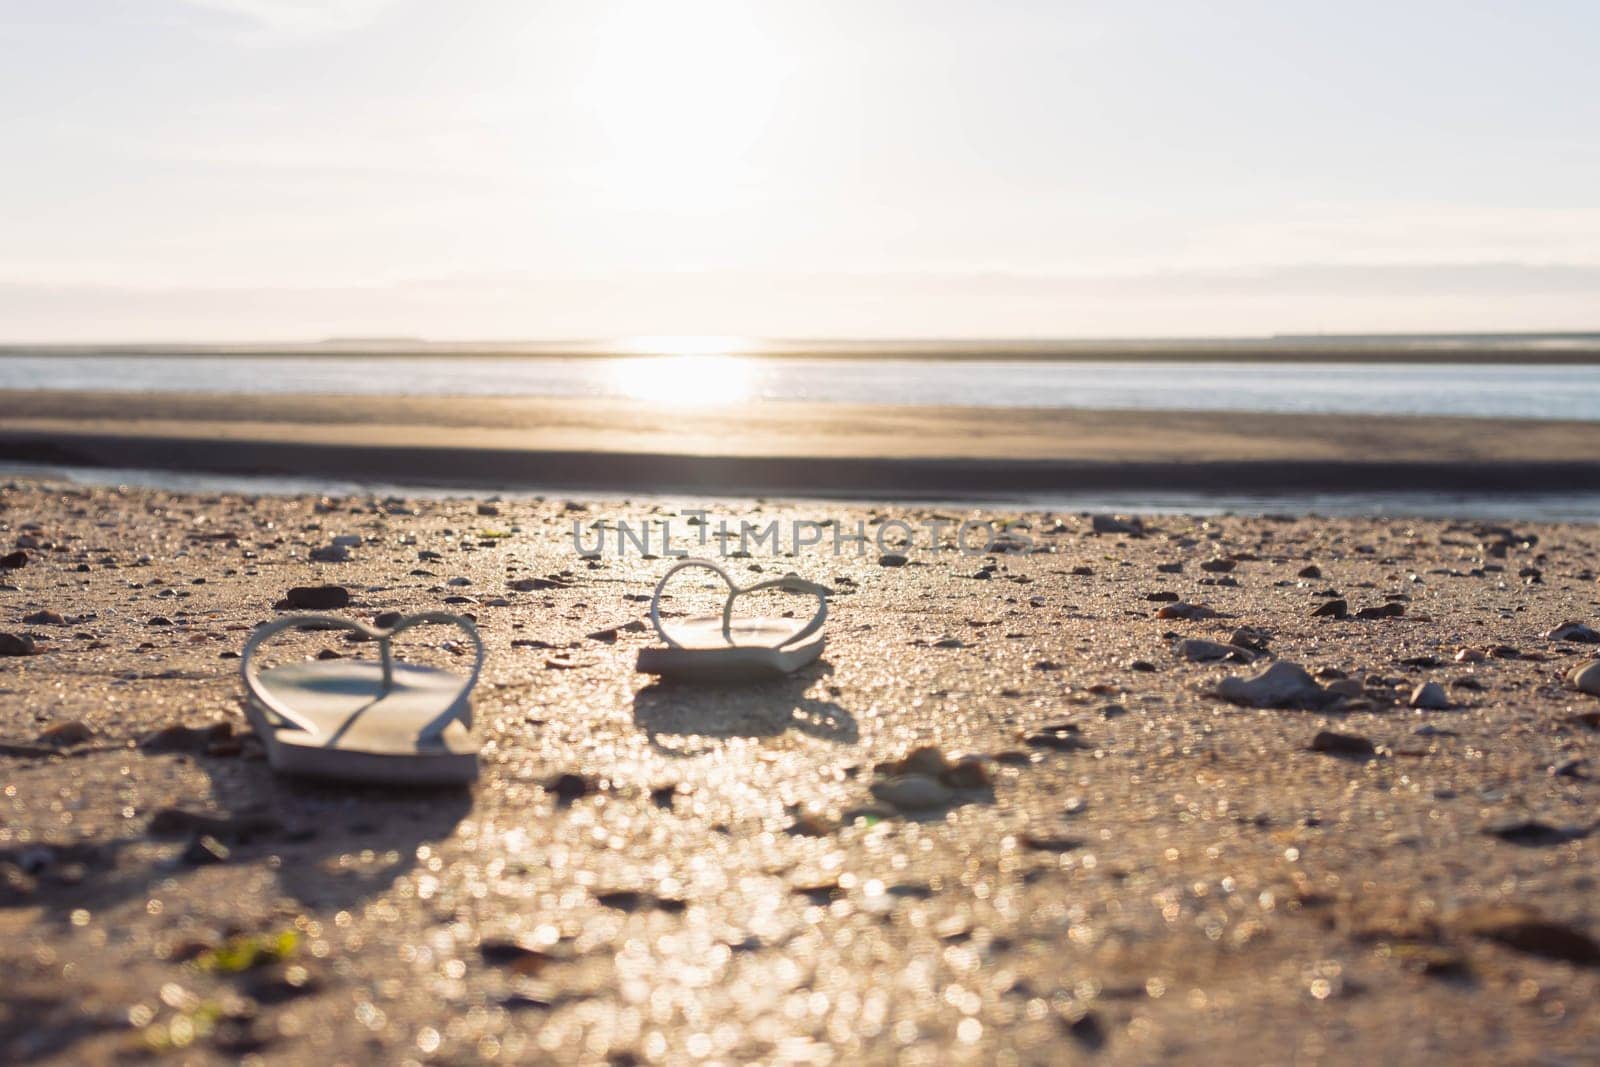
pixel 789 583
pixel 458 709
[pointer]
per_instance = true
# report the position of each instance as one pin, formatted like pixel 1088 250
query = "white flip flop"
pixel 720 648
pixel 361 720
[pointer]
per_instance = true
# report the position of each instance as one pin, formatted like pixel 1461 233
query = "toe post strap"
pixel 789 583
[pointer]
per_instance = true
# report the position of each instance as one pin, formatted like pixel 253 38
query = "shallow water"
pixel 1488 390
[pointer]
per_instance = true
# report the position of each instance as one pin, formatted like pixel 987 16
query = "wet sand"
pixel 810 449
pixel 1137 872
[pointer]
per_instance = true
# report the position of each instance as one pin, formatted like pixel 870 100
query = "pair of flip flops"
pixel 387 721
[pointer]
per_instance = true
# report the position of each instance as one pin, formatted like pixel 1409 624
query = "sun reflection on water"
pixel 685 371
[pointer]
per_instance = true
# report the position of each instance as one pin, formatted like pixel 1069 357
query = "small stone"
pixel 1585 677
pixel 1218 566
pixel 16 645
pixel 1058 739
pixel 12 561
pixel 1049 842
pixel 1573 631
pixel 568 787
pixel 893 559
pixel 180 738
pixel 1197 650
pixel 1332 609
pixel 968 772
pixel 65 734
pixel 1469 655
pixel 1110 524
pixel 608 636
pixel 913 792
pixel 330 554
pixel 44 618
pixel 318 597
pixel 1391 610
pixel 1430 696
pixel 385 620
pixel 529 585
pixel 488 511
pixel 1337 744
pixel 1282 685
pixel 1312 572
pixel 1190 612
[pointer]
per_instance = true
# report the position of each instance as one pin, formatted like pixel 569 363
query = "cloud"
pixel 298 18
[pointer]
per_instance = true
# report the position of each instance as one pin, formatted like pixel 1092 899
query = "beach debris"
pixel 65 734
pixel 1199 650
pixel 913 792
pixel 1332 609
pixel 1282 685
pixel 1525 929
pixel 1186 611
pixel 1585 677
pixel 1469 655
pixel 16 645
pixel 1430 696
pixel 1573 631
pixel 1392 609
pixel 12 561
pixel 203 850
pixel 318 597
pixel 1334 743
pixel 1111 524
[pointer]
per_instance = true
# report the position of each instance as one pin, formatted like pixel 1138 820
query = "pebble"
pixel 334 553
pixel 44 618
pixel 1198 650
pixel 318 597
pixel 1430 696
pixel 1332 609
pixel 385 620
pixel 1110 524
pixel 1573 631
pixel 1313 572
pixel 1585 677
pixel 16 645
pixel 893 559
pixel 1337 744
pixel 1189 612
pixel 1218 566
pixel 180 738
pixel 913 792
pixel 14 560
pixel 203 850
pixel 1391 610
pixel 65 734
pixel 1282 685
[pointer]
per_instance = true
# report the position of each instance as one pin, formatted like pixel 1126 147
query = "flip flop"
pixel 361 720
pixel 720 648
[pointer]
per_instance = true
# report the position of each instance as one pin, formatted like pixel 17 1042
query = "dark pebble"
pixel 318 597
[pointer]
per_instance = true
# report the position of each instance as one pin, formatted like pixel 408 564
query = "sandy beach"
pixel 789 448
pixel 1133 869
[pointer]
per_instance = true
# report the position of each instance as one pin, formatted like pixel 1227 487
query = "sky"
pixel 226 170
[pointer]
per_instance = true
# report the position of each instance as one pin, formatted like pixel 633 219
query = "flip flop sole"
pixel 728 664
pixel 363 733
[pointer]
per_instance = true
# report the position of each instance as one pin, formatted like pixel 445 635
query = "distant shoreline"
pixel 1574 348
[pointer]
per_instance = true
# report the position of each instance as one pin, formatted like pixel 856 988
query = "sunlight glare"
pixel 684 380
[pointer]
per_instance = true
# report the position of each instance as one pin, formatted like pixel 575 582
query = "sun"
pixel 684 380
